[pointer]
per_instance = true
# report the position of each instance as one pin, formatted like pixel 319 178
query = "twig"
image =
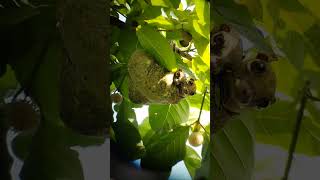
pixel 181 53
pixel 29 80
pixel 311 97
pixel 204 95
pixel 296 129
pixel 119 12
pixel 198 120
pixel 121 82
pixel 116 22
pixel 165 30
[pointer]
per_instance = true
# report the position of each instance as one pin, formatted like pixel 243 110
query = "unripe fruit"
pixel 22 116
pixel 195 139
pixel 116 98
pixel 196 127
pixel 184 43
pixel 186 38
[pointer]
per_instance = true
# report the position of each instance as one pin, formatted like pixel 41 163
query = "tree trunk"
pixel 84 88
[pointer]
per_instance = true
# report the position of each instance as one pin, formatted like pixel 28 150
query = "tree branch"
pixel 296 129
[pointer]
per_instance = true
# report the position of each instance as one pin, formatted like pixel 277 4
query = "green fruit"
pixel 186 36
pixel 184 43
pixel 116 98
pixel 197 127
pixel 195 139
pixel 22 116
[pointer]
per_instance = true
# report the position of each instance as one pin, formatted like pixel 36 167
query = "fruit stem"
pixel 204 95
pixel 296 130
pixel 121 82
pixel 311 97
pixel 198 121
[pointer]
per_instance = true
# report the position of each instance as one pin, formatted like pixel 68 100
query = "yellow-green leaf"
pixel 154 43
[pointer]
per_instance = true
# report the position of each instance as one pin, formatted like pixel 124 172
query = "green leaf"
pixel 203 49
pixel 312 38
pixel 241 19
pixel 202 30
pixel 312 5
pixel 275 126
pixel 175 3
pixel 254 7
pixel 185 67
pixel 163 3
pixel 203 11
pixel 185 15
pixel 148 136
pixel 167 117
pixel 166 149
pixel 120 79
pixel 161 22
pixel 205 170
pixel 195 101
pixel 153 42
pixel 144 127
pixel 192 161
pixel 30 41
pixel 46 81
pixel 206 143
pixel 285 73
pixel 126 112
pixel 233 12
pixel 151 12
pixel 21 145
pixel 8 80
pixel 50 149
pixel 127 43
pixel 13 16
pixel 293 46
pixel 233 151
pixel 128 140
pixel 288 16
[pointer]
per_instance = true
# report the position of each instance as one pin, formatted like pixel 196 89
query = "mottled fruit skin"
pixel 195 139
pixel 116 98
pixel 150 83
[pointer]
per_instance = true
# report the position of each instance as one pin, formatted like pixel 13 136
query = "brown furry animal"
pixel 238 81
pixel 149 83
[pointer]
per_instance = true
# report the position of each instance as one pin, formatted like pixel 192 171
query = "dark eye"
pixel 217 44
pixel 218 40
pixel 263 102
pixel 225 28
pixel 258 67
pixel 262 56
pixel 192 93
pixel 191 81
